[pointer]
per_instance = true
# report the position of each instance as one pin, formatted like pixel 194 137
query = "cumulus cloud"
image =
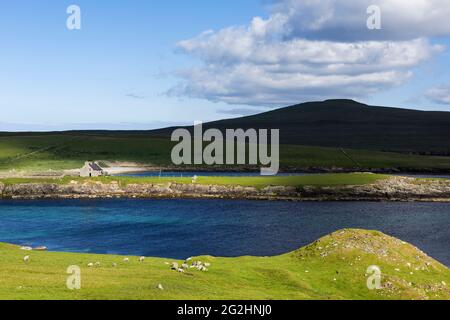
pixel 346 19
pixel 439 95
pixel 309 50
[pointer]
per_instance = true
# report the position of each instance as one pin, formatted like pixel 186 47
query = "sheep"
pixel 202 268
pixel 114 264
pixel 90 265
pixel 196 263
pixel 126 260
pixel 97 264
pixel 26 259
pixel 174 266
pixel 141 259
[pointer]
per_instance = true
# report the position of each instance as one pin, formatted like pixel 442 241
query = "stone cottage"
pixel 91 169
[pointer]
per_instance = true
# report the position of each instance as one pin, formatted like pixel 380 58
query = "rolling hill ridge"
pixel 331 136
pixel 350 124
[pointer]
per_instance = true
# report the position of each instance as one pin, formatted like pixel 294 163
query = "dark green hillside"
pixel 40 152
pixel 349 124
pixel 326 135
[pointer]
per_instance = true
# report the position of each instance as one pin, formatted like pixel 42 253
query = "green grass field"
pixel 338 179
pixel 41 152
pixel 332 268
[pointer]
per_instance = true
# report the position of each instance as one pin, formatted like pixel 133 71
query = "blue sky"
pixel 126 69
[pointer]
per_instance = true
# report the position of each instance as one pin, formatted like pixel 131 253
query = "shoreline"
pixel 207 197
pixel 392 189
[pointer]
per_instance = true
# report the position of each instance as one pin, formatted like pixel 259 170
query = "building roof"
pixel 95 166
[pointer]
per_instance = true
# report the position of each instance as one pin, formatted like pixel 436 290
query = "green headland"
pixel 334 267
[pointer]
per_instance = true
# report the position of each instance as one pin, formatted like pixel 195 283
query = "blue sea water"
pixel 171 174
pixel 183 228
pixel 178 174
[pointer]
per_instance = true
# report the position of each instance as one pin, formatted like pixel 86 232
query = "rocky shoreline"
pixel 392 189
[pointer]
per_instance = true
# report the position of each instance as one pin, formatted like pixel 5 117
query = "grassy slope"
pixel 36 152
pixel 304 274
pixel 259 182
pixel 349 124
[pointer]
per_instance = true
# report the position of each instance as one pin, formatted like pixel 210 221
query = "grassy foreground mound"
pixel 334 267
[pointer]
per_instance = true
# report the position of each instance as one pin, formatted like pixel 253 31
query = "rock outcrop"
pixel 392 189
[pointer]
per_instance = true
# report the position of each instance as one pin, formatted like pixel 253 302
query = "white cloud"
pixel 439 95
pixel 346 19
pixel 299 53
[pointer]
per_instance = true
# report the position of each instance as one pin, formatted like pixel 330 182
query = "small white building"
pixel 91 169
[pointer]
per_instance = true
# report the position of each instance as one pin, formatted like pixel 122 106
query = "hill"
pixel 333 267
pixel 333 135
pixel 350 124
